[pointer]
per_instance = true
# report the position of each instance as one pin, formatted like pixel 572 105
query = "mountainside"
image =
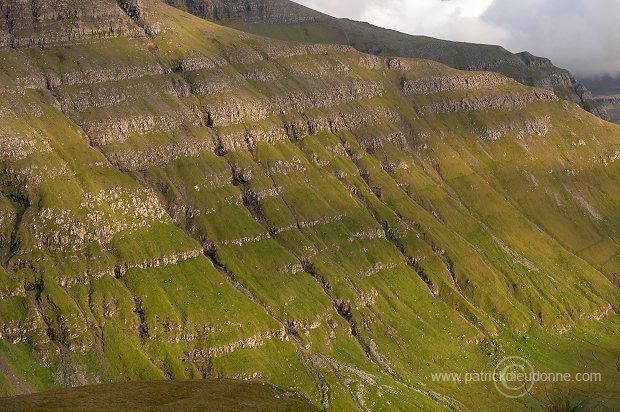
pixel 287 20
pixel 181 200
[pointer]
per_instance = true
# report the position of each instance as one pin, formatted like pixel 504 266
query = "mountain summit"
pixel 182 200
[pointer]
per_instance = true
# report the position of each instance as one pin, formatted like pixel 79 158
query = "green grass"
pixel 342 264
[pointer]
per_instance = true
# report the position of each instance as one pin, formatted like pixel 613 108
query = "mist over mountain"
pixel 606 91
pixel 599 85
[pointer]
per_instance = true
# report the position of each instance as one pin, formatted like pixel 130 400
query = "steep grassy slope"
pixel 182 200
pixel 287 20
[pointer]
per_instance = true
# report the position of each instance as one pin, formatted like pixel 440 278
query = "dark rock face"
pixel 256 15
pixel 44 23
pixel 252 11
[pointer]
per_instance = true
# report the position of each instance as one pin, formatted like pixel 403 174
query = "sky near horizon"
pixel 580 35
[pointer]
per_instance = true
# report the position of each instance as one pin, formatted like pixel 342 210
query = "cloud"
pixel 580 35
pixel 447 19
pixel 343 8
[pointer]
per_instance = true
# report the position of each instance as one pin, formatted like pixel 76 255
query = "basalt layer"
pixel 192 201
pixel 284 19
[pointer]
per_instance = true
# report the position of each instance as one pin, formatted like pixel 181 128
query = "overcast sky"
pixel 580 35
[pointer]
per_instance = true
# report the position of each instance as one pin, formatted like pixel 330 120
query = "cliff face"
pixel 287 20
pixel 251 11
pixel 180 200
pixel 42 23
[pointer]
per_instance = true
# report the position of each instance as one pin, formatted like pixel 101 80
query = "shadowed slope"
pixel 210 395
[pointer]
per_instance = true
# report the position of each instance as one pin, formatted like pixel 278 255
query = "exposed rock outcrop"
pixel 43 23
pixel 470 81
pixel 101 216
pixel 119 127
pixel 538 126
pixel 490 101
